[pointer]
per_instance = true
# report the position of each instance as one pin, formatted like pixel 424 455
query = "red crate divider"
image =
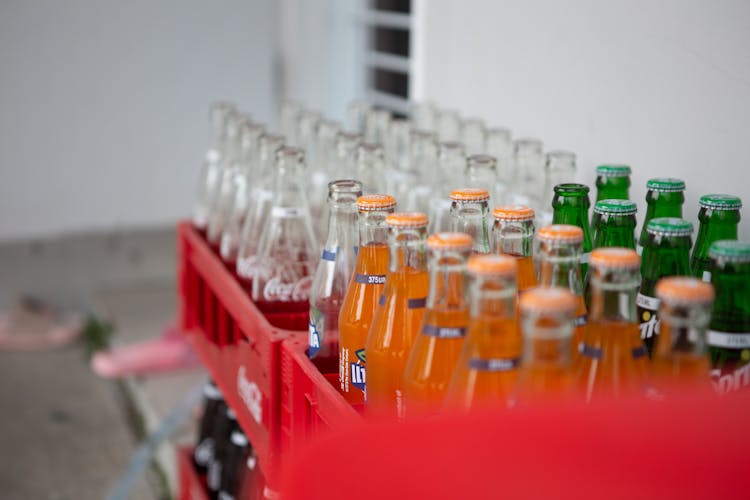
pixel 311 403
pixel 191 485
pixel 237 343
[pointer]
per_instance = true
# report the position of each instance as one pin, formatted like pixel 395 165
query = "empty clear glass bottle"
pixel 346 154
pixel 559 168
pixel 529 172
pixel 481 173
pixel 371 167
pixel 451 164
pixel 424 115
pixel 424 151
pixel 290 111
pixel 470 214
pixel 377 122
pixel 287 248
pixel 500 147
pixel 449 125
pixel 334 268
pixel 356 116
pixel 321 173
pixel 475 136
pixel 223 190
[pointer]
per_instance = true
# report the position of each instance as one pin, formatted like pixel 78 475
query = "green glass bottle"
pixel 664 198
pixel 613 223
pixel 612 182
pixel 571 206
pixel 729 332
pixel 666 253
pixel 719 217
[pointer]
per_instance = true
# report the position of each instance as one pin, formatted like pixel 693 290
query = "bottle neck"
pixel 612 188
pixel 615 231
pixel 574 211
pixel 406 249
pixel 547 341
pixel 372 228
pixel 664 256
pixel 342 225
pixel 614 296
pixel 715 226
pixel 447 279
pixel 559 265
pixel 661 205
pixel 289 188
pixel 514 238
pixel 492 296
pixel 471 218
pixel 683 329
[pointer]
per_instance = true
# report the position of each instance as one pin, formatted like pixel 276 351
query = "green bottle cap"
pixel 721 202
pixel 572 189
pixel 618 207
pixel 613 170
pixel 665 184
pixel 670 226
pixel 735 251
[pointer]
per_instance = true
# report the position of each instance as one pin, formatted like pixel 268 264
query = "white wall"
pixel 661 85
pixel 103 105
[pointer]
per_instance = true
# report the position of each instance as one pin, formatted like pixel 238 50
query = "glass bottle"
pixel 487 369
pixel 376 126
pixel 371 167
pixel 423 167
pixel 398 177
pixel 514 236
pixel 666 253
pixel 680 360
pixel 664 198
pixel 557 254
pixel 612 182
pixel 287 248
pixel 219 114
pixel 475 136
pixel 528 172
pixel 449 125
pixel 729 334
pixel 481 173
pixel 259 206
pixel 356 116
pixel 307 133
pixel 571 206
pixel 559 168
pixel 221 196
pixel 500 147
pixel 547 370
pixel 436 349
pixel 613 361
pixel 424 115
pixel 246 174
pixel 321 174
pixel 451 162
pixel 346 154
pixel 469 214
pixel 290 111
pixel 399 314
pixel 614 223
pixel 719 217
pixel 365 288
pixel 334 268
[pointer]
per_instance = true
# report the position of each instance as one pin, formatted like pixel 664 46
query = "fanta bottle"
pixel 470 214
pixel 334 269
pixel 613 360
pixel 487 369
pixel 399 314
pixel 438 345
pixel 364 292
pixel 287 248
pixel 547 327
pixel 514 235
pixel 558 254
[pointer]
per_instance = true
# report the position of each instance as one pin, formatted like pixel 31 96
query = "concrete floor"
pixel 65 433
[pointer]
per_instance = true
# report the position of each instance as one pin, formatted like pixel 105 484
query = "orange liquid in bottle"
pixel 614 361
pixel 678 371
pixel 396 324
pixel 581 322
pixel 356 316
pixel 526 273
pixel 544 377
pixel 487 370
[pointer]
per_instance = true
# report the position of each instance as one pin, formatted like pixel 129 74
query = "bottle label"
pixel 585 257
pixel 494 364
pixel 369 279
pixel 277 291
pixel 706 276
pixel 647 315
pixel 730 379
pixel 329 255
pixel 590 351
pixel 250 394
pixel 419 303
pixel 444 332
pixel 314 335
pixel 357 370
pixel 728 340
pixel 581 320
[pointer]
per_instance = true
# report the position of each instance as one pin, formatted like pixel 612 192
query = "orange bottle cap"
pixel 561 232
pixel 684 290
pixel 558 300
pixel 370 202
pixel 449 241
pixel 615 257
pixel 470 194
pixel 406 219
pixel 513 212
pixel 502 265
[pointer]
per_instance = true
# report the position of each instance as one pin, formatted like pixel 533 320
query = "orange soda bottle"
pixel 365 288
pixel 487 370
pixel 438 345
pixel 613 360
pixel 399 314
pixel 558 254
pixel 514 235
pixel 680 360
pixel 547 325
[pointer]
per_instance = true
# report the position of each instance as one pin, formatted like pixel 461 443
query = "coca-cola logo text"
pixel 277 291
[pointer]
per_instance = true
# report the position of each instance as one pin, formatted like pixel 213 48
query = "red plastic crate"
pixel 192 486
pixel 238 344
pixel 311 404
